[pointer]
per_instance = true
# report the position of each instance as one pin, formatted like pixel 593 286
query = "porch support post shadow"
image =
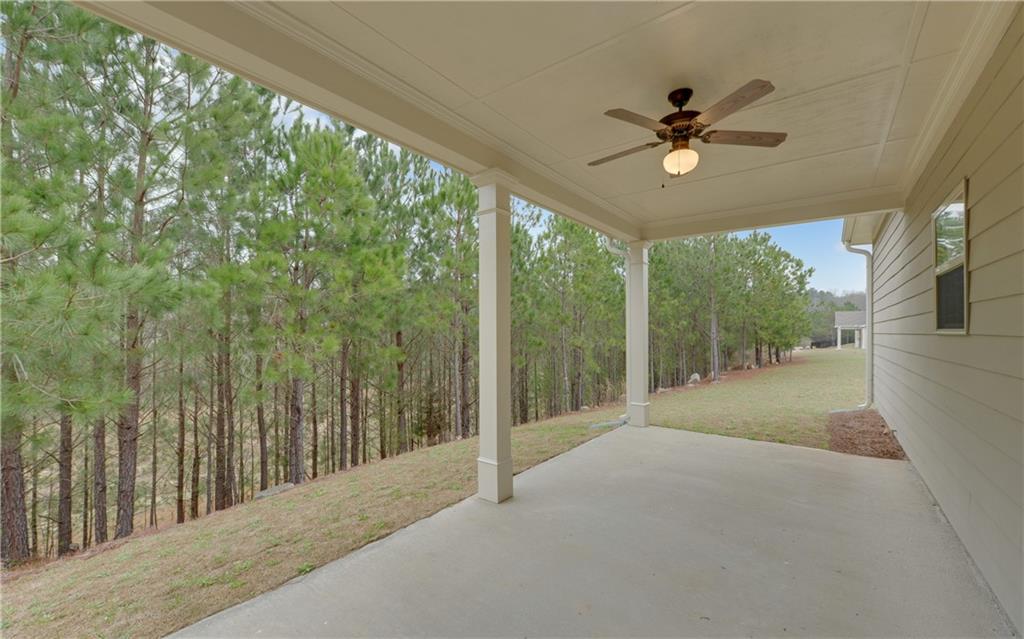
pixel 494 465
pixel 638 408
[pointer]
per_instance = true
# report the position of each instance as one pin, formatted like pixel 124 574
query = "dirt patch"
pixel 863 432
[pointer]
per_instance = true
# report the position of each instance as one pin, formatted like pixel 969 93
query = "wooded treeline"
pixel 208 290
pixel 822 312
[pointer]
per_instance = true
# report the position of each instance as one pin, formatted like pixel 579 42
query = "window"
pixel 949 226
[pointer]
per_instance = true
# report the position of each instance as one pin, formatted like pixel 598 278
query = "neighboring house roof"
pixel 850 318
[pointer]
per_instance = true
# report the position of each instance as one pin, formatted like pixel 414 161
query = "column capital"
pixel 636 252
pixel 494 191
pixel 493 176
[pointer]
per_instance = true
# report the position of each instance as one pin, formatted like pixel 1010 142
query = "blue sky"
pixel 818 245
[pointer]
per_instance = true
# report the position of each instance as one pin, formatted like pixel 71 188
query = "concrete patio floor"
pixel 656 532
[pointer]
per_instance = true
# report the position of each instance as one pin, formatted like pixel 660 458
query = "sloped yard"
pixel 153 584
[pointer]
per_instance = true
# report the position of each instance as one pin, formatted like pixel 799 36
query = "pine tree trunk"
pixel 34 510
pixel 261 423
pixel 743 347
pixel 382 439
pixel 193 510
pixel 277 438
pixel 342 406
pixel 210 419
pixel 85 493
pixel 99 486
pixel 364 420
pixel 296 461
pixel 48 534
pixel 524 392
pixel 403 430
pixel 465 429
pixel 354 419
pixel 181 442
pixel 14 529
pixel 128 425
pixel 240 484
pixel 288 429
pixel 128 429
pixel 152 483
pixel 331 464
pixel 230 485
pixel 316 425
pixel 220 488
pixel 64 487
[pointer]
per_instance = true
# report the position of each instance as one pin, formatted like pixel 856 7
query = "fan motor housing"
pixel 678 121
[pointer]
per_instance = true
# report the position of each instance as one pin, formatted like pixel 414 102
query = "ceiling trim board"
pixel 909 47
pixel 863 201
pixel 989 24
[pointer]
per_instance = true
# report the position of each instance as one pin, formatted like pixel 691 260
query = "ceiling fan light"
pixel 681 161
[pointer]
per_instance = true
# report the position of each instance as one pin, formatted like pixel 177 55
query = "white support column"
pixel 839 338
pixel 636 335
pixel 494 465
pixel 856 338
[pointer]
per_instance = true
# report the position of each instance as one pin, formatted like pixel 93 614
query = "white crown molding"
pixel 983 36
pixel 857 202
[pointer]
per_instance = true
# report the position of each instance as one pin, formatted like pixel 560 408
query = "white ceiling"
pixel 860 87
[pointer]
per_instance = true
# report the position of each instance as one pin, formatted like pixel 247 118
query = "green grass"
pixel 788 404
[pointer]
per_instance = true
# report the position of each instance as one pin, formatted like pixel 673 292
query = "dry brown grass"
pixel 153 584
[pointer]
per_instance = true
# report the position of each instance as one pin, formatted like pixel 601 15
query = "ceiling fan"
pixel 680 127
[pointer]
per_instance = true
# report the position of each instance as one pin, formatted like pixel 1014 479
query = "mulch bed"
pixel 863 432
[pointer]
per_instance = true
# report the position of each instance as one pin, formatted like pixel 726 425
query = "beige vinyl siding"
pixel 956 402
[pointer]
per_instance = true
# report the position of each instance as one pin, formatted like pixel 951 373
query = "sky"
pixel 819 245
pixel 816 243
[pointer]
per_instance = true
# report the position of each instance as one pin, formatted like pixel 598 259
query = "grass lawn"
pixel 788 404
pixel 153 584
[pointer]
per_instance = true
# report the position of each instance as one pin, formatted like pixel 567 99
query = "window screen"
pixel 950 289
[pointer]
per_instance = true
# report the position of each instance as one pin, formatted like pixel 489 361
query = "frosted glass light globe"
pixel 681 161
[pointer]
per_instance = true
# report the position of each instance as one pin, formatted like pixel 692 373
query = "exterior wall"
pixel 956 401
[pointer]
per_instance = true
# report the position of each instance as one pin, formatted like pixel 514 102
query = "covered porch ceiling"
pixel 863 89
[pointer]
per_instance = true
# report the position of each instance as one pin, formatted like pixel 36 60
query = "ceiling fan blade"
pixel 746 138
pixel 749 92
pixel 635 118
pixel 622 154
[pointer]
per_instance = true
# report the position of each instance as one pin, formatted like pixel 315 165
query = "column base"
pixel 638 414
pixel 494 479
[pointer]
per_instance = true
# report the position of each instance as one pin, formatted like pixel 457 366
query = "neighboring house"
pixel 947 300
pixel 850 321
